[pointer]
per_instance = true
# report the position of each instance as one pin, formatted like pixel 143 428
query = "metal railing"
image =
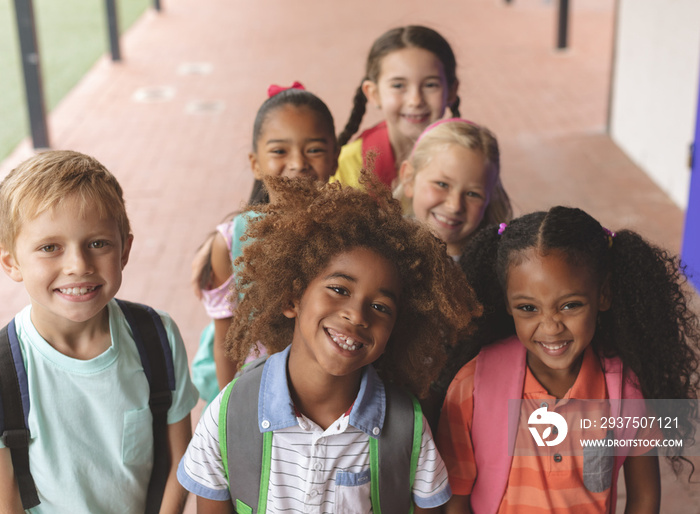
pixel 31 63
pixel 31 68
pixel 562 24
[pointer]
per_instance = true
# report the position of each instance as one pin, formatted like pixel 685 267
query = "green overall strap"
pixel 417 440
pixel 245 451
pixel 14 413
pixel 223 426
pixel 394 455
pixel 154 349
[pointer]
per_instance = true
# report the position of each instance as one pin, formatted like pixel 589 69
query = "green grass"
pixel 72 35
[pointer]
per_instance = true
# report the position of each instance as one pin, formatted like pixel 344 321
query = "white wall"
pixel 655 88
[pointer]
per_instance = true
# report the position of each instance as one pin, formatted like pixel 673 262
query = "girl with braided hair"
pixel 411 78
pixel 587 314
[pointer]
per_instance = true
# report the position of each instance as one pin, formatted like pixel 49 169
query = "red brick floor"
pixel 204 68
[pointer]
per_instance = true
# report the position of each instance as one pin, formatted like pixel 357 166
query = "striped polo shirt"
pixel 312 470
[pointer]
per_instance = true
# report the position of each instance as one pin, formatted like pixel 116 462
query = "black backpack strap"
pixel 156 356
pixel 14 413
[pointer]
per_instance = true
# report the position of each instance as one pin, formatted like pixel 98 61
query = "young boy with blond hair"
pixel 65 234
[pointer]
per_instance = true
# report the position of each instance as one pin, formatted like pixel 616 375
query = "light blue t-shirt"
pixel 91 446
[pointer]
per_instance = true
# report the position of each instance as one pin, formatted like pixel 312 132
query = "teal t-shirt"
pixel 240 225
pixel 91 447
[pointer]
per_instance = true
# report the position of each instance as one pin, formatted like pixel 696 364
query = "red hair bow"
pixel 275 89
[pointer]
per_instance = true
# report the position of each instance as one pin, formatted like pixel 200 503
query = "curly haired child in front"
pixel 411 78
pixel 338 305
pixel 64 233
pixel 596 315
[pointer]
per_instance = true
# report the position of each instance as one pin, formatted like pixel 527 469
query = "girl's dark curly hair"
pixel 410 36
pixel 295 238
pixel 649 325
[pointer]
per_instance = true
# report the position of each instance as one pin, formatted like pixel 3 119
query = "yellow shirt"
pixel 352 157
pixel 349 164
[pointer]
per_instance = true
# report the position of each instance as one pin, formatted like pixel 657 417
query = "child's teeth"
pixel 346 343
pixel 554 347
pixel 445 220
pixel 77 291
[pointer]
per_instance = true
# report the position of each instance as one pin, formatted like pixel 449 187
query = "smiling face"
pixel 70 262
pixel 295 142
pixel 450 193
pixel 554 305
pixel 411 91
pixel 345 316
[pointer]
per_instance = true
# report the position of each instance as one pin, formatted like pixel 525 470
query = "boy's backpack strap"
pixel 247 454
pixel 494 384
pixel 245 451
pixel 394 455
pixel 152 343
pixel 14 413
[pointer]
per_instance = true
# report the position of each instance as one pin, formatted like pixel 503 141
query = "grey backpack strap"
pixel 244 441
pixel 399 446
pixel 395 452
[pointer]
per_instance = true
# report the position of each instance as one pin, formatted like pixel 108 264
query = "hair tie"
pixel 274 89
pixel 609 234
pixel 436 124
pixel 502 228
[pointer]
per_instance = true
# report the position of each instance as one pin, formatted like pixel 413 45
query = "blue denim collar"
pixel 276 409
